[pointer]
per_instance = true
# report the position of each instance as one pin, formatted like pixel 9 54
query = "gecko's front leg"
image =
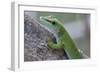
pixel 53 45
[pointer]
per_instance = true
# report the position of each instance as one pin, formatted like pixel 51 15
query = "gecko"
pixel 64 40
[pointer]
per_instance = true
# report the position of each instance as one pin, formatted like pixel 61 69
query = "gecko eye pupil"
pixel 53 23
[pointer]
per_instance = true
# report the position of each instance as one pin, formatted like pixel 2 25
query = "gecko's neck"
pixel 61 31
pixel 61 28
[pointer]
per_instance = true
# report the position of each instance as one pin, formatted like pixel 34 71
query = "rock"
pixel 35 42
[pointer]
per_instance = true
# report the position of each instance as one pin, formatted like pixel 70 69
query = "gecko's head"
pixel 50 22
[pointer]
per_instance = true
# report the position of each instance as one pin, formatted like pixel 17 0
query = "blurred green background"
pixel 78 26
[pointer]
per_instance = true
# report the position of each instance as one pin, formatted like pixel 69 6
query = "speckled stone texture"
pixel 35 42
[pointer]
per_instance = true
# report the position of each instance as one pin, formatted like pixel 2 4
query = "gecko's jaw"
pixel 45 19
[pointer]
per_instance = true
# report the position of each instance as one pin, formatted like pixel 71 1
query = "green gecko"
pixel 64 40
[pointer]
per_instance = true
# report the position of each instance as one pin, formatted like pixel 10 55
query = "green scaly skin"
pixel 64 39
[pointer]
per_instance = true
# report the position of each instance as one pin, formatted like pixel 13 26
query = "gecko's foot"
pixel 49 40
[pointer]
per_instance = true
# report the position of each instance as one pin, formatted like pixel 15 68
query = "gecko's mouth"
pixel 46 19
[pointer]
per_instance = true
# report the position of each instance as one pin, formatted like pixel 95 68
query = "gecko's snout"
pixel 41 17
pixel 45 18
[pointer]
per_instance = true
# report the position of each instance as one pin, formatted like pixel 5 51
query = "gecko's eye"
pixel 53 23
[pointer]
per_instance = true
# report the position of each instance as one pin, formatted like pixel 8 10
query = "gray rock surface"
pixel 35 42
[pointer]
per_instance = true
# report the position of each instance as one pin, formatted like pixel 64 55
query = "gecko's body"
pixel 63 38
